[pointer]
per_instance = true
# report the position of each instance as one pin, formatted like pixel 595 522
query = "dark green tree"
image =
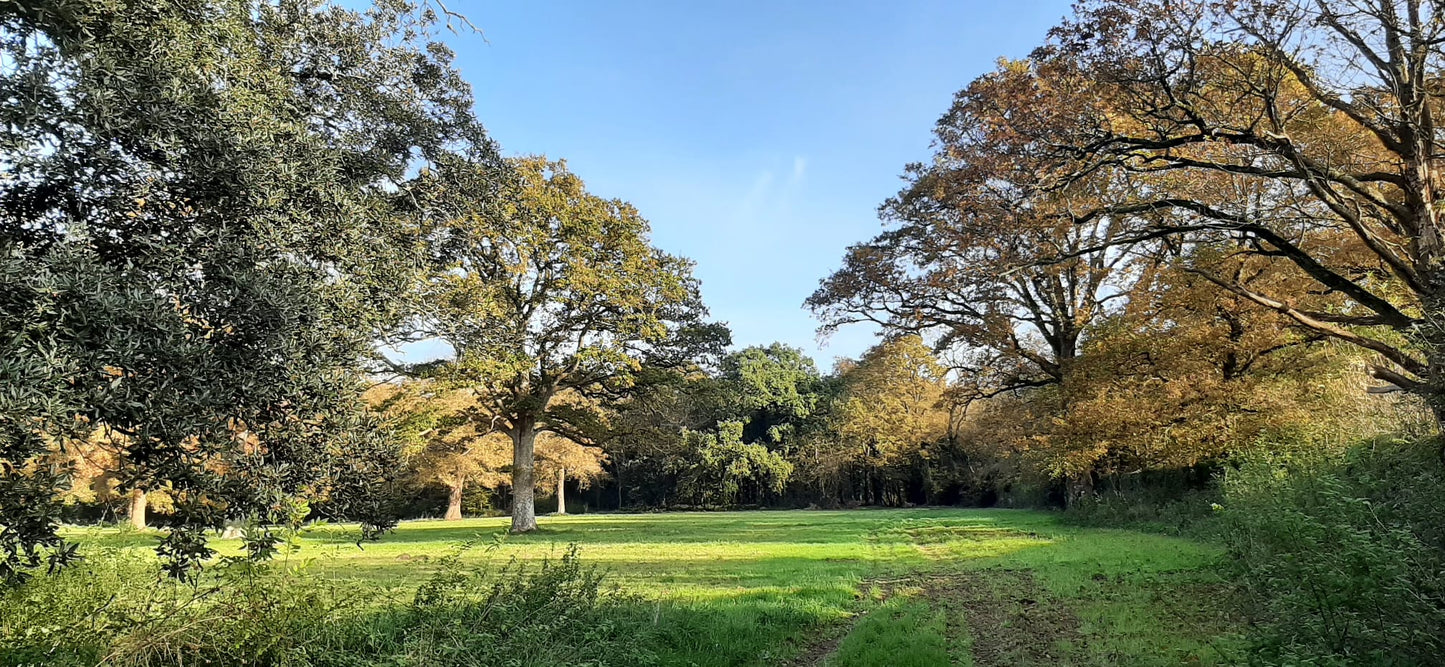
pixel 718 467
pixel 774 388
pixel 205 223
pixel 645 432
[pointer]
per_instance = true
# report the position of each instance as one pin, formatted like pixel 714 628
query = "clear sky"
pixel 758 138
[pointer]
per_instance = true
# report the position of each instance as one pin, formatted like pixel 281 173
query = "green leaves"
pixel 720 466
pixel 206 224
pixel 556 290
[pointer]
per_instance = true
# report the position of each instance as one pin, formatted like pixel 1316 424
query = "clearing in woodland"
pixel 847 588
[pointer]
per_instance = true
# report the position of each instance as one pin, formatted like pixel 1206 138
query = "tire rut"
pixel 1009 618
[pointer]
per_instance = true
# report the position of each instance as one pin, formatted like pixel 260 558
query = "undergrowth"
pixel 116 608
pixel 1340 556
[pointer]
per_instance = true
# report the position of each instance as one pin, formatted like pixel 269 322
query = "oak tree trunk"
pixel 524 507
pixel 454 501
pixel 561 490
pixel 618 475
pixel 1078 487
pixel 138 509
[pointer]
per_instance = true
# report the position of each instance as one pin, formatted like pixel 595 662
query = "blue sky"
pixel 758 138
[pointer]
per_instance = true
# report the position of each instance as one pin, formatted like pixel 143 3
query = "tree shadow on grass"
pixel 833 527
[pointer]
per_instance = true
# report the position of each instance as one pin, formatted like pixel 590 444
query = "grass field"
pixel 848 588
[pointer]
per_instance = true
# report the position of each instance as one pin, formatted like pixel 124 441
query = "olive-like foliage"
pixel 205 224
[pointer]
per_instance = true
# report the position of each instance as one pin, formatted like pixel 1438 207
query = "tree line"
pixel 1174 232
pixel 1175 229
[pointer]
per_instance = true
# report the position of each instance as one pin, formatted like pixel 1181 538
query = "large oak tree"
pixel 1317 121
pixel 976 257
pixel 557 293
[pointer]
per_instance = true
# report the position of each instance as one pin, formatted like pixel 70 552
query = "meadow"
pixel 838 588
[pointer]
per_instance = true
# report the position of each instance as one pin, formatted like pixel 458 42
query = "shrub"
pixel 1184 513
pixel 1341 556
pixel 63 618
pixel 1172 502
pixel 117 608
pixel 558 613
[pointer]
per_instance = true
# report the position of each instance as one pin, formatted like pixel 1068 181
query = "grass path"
pixel 849 588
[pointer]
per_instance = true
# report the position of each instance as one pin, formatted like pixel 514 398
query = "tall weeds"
pixel 1341 556
pixel 116 608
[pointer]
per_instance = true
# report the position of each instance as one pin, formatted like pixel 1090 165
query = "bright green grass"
pixel 759 588
pixel 901 632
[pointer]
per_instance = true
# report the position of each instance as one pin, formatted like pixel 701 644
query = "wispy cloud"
pixel 770 196
pixel 757 195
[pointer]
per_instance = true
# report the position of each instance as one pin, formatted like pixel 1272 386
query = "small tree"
pixel 439 440
pixel 721 466
pixel 892 409
pixel 560 459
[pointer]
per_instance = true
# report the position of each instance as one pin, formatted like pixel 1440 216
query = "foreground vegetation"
pixel 868 587
pixel 1311 556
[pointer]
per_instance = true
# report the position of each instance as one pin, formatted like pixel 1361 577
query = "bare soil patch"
pixel 825 644
pixel 1010 619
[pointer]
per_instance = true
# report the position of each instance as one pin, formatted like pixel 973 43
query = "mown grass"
pixel 761 588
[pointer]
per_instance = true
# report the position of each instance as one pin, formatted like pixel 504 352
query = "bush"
pixel 1182 513
pixel 116 608
pixel 556 614
pixel 63 618
pixel 1173 502
pixel 1341 557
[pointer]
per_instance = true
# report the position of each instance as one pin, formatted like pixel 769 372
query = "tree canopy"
pixel 557 292
pixel 204 226
pixel 1301 132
